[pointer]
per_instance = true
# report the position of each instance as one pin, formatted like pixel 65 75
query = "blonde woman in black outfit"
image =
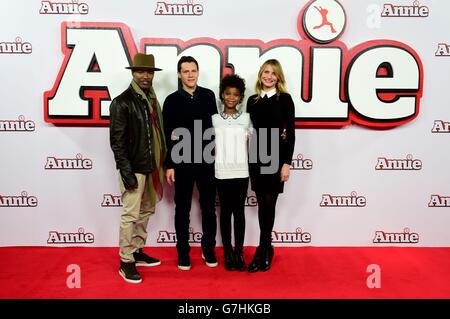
pixel 272 113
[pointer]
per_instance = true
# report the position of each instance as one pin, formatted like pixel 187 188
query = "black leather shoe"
pixel 239 262
pixel 255 264
pixel 229 259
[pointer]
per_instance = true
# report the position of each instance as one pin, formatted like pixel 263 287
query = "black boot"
pixel 228 258
pixel 239 262
pixel 266 258
pixel 255 264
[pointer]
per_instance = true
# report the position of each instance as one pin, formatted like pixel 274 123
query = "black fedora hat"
pixel 143 61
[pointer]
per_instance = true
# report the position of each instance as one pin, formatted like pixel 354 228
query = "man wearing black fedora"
pixel 138 143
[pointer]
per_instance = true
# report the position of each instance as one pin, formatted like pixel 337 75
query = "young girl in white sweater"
pixel 232 128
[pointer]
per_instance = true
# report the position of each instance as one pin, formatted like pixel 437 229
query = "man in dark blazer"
pixel 187 115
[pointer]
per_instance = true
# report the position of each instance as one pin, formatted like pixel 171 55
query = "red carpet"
pixel 297 273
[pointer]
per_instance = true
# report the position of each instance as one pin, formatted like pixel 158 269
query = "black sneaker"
pixel 129 273
pixel 184 262
pixel 210 259
pixel 142 259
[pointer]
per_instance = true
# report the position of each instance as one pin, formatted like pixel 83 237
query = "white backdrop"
pixel 40 206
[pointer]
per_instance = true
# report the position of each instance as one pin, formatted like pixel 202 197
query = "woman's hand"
pixel 170 176
pixel 285 171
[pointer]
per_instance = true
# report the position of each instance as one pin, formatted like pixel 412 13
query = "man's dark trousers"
pixel 185 177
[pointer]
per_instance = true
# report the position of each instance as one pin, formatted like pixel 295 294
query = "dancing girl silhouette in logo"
pixel 324 12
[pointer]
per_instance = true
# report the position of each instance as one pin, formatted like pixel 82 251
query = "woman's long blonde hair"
pixel 281 83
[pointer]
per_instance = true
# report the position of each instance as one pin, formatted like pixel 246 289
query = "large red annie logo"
pixel 378 83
